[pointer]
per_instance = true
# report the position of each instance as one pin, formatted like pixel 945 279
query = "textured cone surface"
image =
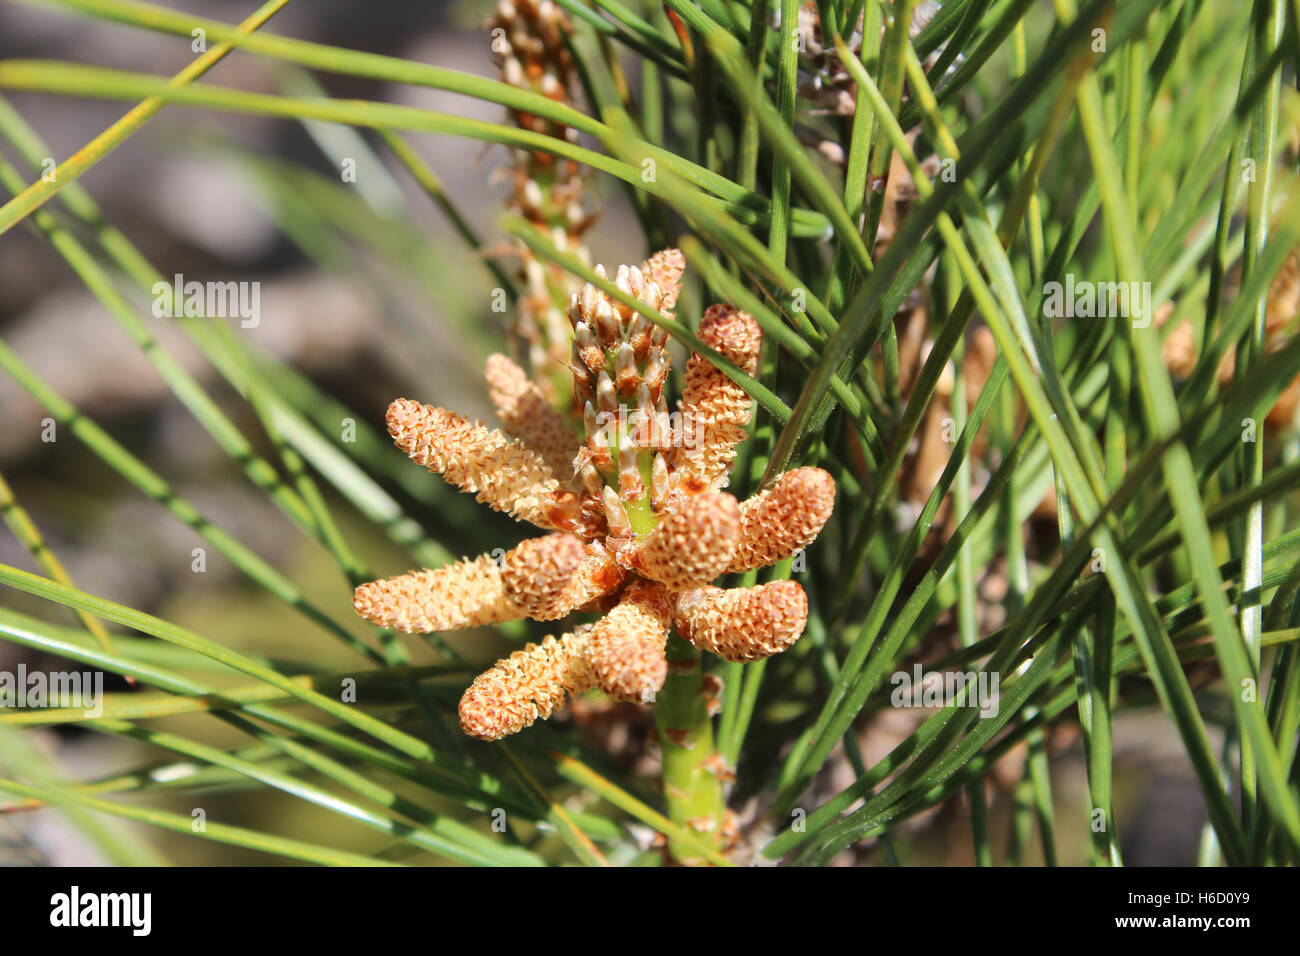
pixel 626 648
pixel 743 624
pixel 528 684
pixel 506 474
pixel 776 523
pixel 694 543
pixel 537 571
pixel 714 409
pixel 466 594
pixel 527 415
pixel 550 576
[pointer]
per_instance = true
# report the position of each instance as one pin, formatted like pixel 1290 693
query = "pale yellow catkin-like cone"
pixel 626 647
pixel 550 576
pixel 776 523
pixel 506 474
pixel 714 409
pixel 527 415
pixel 529 684
pixel 743 624
pixel 468 593
pixel 531 38
pixel 694 542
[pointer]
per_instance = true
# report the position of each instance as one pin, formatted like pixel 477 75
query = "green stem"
pixel 692 787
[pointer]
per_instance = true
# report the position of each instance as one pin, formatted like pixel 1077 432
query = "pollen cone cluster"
pixel 639 524
pixel 529 42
